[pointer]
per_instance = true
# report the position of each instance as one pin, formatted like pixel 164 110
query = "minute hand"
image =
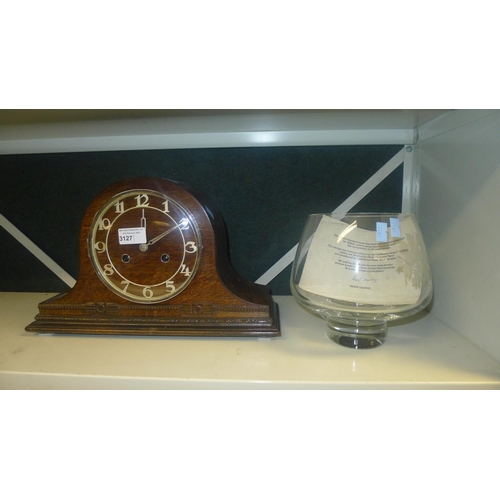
pixel 182 224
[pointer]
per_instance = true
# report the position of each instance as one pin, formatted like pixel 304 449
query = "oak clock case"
pixel 154 261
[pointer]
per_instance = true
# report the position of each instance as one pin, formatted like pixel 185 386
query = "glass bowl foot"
pixel 357 334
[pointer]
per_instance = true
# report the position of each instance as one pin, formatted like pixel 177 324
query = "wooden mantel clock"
pixel 154 261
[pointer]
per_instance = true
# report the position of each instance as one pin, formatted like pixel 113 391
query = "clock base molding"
pixel 200 319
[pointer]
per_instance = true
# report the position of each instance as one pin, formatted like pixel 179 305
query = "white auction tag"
pixel 395 229
pixel 132 235
pixel 382 232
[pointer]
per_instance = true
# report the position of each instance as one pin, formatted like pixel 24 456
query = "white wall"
pixel 459 213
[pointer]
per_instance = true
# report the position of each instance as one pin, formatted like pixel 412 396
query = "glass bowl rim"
pixel 364 214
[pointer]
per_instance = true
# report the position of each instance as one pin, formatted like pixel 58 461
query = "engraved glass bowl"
pixel 359 271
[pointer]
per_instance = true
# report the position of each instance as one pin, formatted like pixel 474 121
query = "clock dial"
pixel 144 246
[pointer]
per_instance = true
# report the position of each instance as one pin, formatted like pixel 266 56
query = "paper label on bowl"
pixel 347 263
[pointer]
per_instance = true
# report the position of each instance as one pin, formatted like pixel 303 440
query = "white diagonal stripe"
pixel 37 252
pixel 343 208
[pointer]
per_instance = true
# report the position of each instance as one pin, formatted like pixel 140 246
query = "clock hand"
pixel 182 224
pixel 143 220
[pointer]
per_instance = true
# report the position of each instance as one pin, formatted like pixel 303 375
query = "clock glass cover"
pixel 144 246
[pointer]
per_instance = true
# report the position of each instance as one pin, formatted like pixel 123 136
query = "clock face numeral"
pixel 108 270
pixel 191 247
pixel 104 224
pixel 100 246
pixel 158 265
pixel 142 200
pixel 185 270
pixel 119 207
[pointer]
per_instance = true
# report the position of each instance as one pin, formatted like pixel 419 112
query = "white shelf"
pixel 419 354
pixel 211 129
